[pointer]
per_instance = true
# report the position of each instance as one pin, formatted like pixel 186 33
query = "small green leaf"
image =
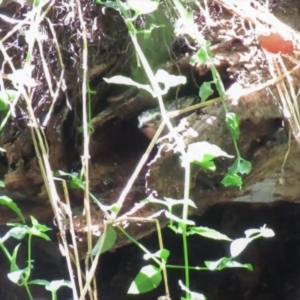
pixel 178 220
pixel 147 279
pixel 263 231
pixel 128 81
pixel 251 232
pixel 115 208
pixel 225 262
pixel 109 242
pixel 39 282
pixel 169 80
pixel 6 97
pixel 54 285
pixel 13 262
pixel 240 166
pixel 37 227
pixel 170 202
pixel 4 200
pixel 75 179
pixel 238 246
pixel 217 265
pixel 16 276
pixel 236 264
pixel 185 23
pixel 41 3
pixel 202 56
pixel 244 166
pixel 91 129
pixel 143 7
pixel 147 32
pixel 232 180
pixel 205 91
pixel 176 229
pixel 109 3
pixel 18 231
pixel 202 154
pixel 163 254
pixel 267 232
pixel 209 233
pixel 76 183
pixel 232 123
pixel 193 295
pixel 23 76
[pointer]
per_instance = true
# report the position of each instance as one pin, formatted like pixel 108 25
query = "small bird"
pixel 150 120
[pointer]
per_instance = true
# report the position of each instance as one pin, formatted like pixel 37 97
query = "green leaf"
pixel 267 232
pixel 169 80
pixel 163 254
pixel 128 81
pixel 185 23
pixel 42 235
pixel 217 265
pixel 2 184
pixel 209 233
pixel 13 262
pixel 178 220
pixel 233 125
pixel 4 200
pixel 226 262
pixel 91 129
pixel 76 183
pixel 205 91
pixel 19 231
pixel 109 3
pixel 22 77
pixel 240 166
pixel 143 7
pixel 38 229
pixel 238 246
pixel 251 232
pixel 75 179
pixel 202 56
pixel 194 296
pixel 41 3
pixel 202 154
pixel 54 285
pixel 147 279
pixel 115 208
pixel 232 180
pixel 6 97
pixel 110 240
pixel 39 282
pixel 236 264
pixel 17 276
pixel 263 231
pixel 176 229
pixel 170 202
pixel 147 32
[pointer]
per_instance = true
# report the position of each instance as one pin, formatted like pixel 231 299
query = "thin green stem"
pixel 190 268
pixel 28 291
pixel 140 246
pixel 187 175
pixel 5 251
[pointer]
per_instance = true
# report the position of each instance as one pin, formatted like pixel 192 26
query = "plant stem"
pixel 187 175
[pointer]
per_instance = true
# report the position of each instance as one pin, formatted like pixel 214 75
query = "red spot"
pixel 276 43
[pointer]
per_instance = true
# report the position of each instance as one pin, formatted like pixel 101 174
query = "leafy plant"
pixel 19 231
pixel 201 153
